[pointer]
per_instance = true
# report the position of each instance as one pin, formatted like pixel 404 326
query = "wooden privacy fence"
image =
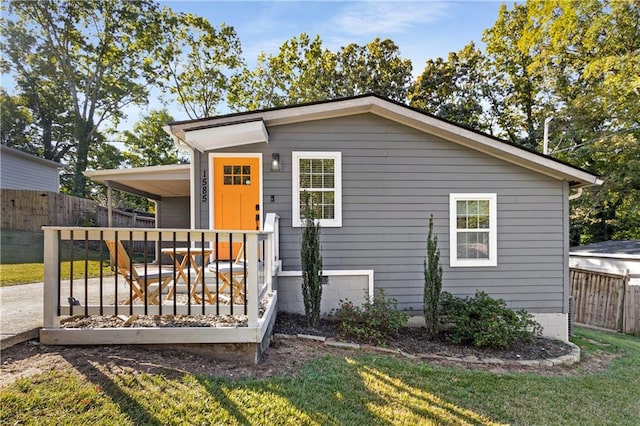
pixel 31 210
pixel 606 300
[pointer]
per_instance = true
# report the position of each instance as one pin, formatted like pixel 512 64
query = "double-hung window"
pixel 318 175
pixel 473 229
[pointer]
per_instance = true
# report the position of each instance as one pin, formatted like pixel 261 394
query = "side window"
pixel 473 229
pixel 320 175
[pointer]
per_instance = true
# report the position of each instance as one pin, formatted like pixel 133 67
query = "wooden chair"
pixel 139 282
pixel 231 276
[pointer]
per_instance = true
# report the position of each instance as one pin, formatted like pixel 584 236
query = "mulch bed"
pixel 414 340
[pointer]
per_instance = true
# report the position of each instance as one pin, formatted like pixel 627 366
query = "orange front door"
pixel 236 197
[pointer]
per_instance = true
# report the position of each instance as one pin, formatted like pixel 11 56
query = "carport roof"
pixel 154 182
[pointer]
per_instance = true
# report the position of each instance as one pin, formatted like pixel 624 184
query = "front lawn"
pixel 360 388
pixel 22 273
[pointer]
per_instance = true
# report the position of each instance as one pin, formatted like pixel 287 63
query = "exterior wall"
pixel 175 213
pixel 19 171
pixel 394 177
pixel 355 288
pixel 554 326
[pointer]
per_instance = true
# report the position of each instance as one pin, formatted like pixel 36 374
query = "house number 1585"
pixel 204 185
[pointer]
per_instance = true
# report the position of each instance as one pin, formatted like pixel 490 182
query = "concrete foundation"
pixel 355 287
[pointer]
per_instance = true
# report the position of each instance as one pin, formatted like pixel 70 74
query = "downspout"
pixel 576 195
pixel 180 144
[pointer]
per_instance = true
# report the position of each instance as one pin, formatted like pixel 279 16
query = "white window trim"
pixel 336 222
pixel 493 231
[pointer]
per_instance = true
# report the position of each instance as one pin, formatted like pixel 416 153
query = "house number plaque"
pixel 204 185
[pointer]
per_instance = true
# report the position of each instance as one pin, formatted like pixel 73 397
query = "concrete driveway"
pixel 21 316
pixel 22 306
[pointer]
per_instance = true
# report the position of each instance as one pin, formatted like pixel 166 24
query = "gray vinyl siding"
pixel 18 171
pixel 393 178
pixel 174 213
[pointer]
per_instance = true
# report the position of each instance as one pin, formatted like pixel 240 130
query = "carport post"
pixel 109 206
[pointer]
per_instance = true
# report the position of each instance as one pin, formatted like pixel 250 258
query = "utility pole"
pixel 545 139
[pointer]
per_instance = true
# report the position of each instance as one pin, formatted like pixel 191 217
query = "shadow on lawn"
pixel 336 391
pixel 95 373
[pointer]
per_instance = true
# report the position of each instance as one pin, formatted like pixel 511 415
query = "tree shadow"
pixel 337 391
pixel 96 373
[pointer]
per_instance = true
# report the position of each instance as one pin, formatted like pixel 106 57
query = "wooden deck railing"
pixel 106 293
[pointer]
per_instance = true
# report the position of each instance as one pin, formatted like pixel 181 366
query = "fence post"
pixel 51 268
pixel 622 302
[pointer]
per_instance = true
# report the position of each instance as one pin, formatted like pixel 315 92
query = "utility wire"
pixel 633 129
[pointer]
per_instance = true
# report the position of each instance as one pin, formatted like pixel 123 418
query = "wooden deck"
pixel 107 295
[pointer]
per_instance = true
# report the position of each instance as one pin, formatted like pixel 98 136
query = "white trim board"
pixel 336 156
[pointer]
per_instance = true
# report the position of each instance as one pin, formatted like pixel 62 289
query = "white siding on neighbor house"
pixel 18 171
pixel 394 177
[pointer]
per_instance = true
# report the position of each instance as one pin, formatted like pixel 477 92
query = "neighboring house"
pixel 378 170
pixel 609 256
pixel 19 170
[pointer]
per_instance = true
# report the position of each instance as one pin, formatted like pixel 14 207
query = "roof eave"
pixel 400 113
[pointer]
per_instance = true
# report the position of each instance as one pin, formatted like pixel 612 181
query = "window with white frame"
pixel 319 175
pixel 473 229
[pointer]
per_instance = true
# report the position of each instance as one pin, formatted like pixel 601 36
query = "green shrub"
pixel 432 282
pixel 484 321
pixel 373 322
pixel 311 260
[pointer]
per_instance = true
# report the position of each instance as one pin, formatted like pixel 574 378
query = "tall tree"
pixel 42 96
pixel 99 51
pixel 305 71
pixel 376 67
pixel 197 61
pixel 302 71
pixel 455 89
pixel 590 58
pixel 592 45
pixel 15 122
pixel 523 104
pixel 148 144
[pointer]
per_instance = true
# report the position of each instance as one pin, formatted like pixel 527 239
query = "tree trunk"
pixel 83 136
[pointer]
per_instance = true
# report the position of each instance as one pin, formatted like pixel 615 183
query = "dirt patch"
pixel 284 357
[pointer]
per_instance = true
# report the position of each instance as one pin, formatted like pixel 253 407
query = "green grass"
pixel 358 389
pixel 21 246
pixel 34 272
pixel 22 253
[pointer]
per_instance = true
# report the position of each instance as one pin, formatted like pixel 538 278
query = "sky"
pixel 422 29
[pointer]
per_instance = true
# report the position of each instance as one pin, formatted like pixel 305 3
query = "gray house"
pixel 378 170
pixel 20 170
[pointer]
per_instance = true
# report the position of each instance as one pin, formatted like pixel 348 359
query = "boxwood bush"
pixel 373 322
pixel 485 322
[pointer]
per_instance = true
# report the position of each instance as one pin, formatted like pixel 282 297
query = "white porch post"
pixel 51 266
pixel 252 279
pixel 268 262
